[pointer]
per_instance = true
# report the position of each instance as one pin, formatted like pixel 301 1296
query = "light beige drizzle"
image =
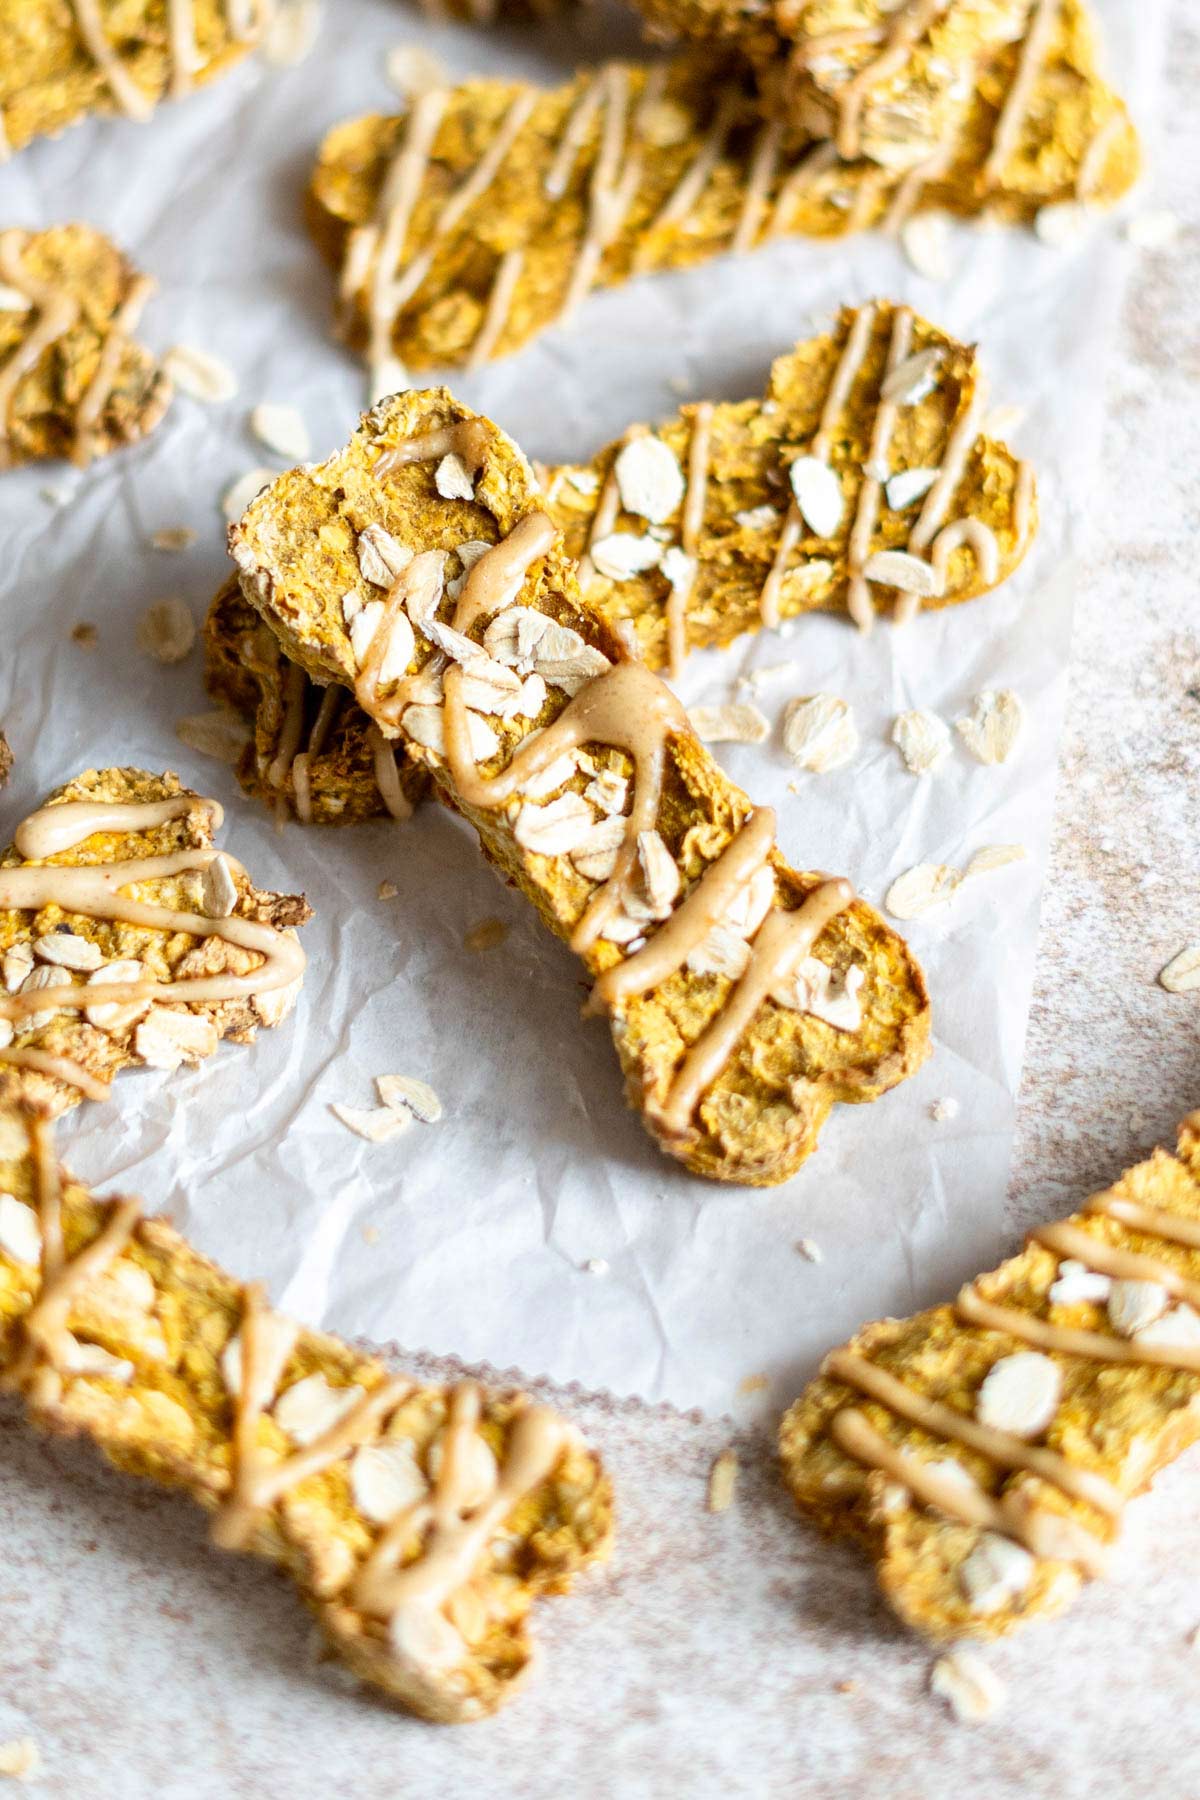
pixel 292 727
pixel 905 25
pixel 129 97
pixel 958 448
pixel 501 572
pixel 910 189
pixel 259 1479
pixel 387 777
pixel 52 830
pixel 691 525
pixel 705 905
pixel 1033 53
pixel 500 299
pixel 627 708
pixel 575 134
pixel 607 508
pixel 858 594
pixel 1155 1221
pixel 467 439
pixel 615 178
pixel 961 1497
pixel 1023 504
pixel 815 163
pixel 91 407
pixel 386 236
pixel 979 538
pixel 764 163
pixel 322 725
pixel 854 351
pixel 59 1068
pixel 424 571
pixel 781 941
pixel 685 196
pixel 1091 165
pixel 1069 1340
pixel 454 1537
pixel 1067 1240
pixel 46 1339
pixel 57 313
pixel 181 36
pixel 1001 1447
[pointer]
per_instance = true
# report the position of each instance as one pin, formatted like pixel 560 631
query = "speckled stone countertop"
pixel 735 1655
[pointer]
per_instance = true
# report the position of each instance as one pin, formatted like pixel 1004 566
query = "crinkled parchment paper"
pixel 472 1236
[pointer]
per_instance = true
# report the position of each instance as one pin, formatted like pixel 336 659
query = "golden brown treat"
pixel 489 211
pixel 314 753
pixel 63 59
pixel 765 995
pixel 94 979
pixel 73 383
pixel 419 1523
pixel 1059 1385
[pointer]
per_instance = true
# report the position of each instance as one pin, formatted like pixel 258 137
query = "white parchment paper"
pixel 470 1237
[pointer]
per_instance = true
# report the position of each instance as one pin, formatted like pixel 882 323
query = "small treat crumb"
pixel 370 1234
pixel 946 1108
pixel 1193 1638
pixel 971 1689
pixel 20 1759
pixel 487 935
pixel 810 1250
pixel 387 890
pixel 722 1479
pixel 596 1265
pixel 85 635
pixel 846 1687
pixel 173 538
pixel 752 1384
pixel 55 496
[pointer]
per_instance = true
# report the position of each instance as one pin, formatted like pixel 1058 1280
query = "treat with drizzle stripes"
pixel 73 380
pixel 488 212
pixel 418 569
pixel 63 59
pixel 94 977
pixel 419 1523
pixel 983 1453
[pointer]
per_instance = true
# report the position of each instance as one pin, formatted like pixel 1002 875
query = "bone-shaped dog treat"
pixel 73 382
pixel 983 1452
pixel 94 979
pixel 419 1523
pixel 418 569
pixel 882 417
pixel 489 211
pixel 63 59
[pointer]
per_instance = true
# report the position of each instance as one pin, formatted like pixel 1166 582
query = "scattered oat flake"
pixel 596 1265
pixel 282 429
pixel 994 856
pixel 173 538
pixel 55 496
pixel 926 242
pixel 218 890
pixel 992 727
pixel 20 1759
pixel 722 1479
pixel 1182 973
pixel 405 1092
pixel 810 1250
pixel 734 724
pixel 166 631
pixel 487 935
pixel 13 300
pixel 452 478
pixel 1153 229
pixel 238 496
pixel 908 486
pixel 623 554
pixel 220 734
pixel 947 1108
pixel 910 574
pixel 920 888
pixel 819 732
pixel 377 1124
pixel 971 1689
pixel 649 479
pixel 911 380
pixel 85 635
pixel 291 33
pixel 922 739
pixel 753 1384
pixel 412 71
pixel 200 375
pixel 818 494
pixel 387 890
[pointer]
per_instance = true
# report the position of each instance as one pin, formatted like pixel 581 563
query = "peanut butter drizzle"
pixel 858 340
pixel 130 98
pixel 468 439
pixel 1069 1240
pixel 455 1537
pixel 685 195
pixel 1016 101
pixel 91 406
pixel 181 35
pixel 858 594
pixel 954 461
pixel 574 136
pixel 94 890
pixel 59 1068
pixel 292 727
pixel 979 538
pixel 1154 1221
pixel 387 779
pixel 424 571
pixel 1023 504
pixel 780 942
pixel 815 163
pixel 607 507
pixel 626 708
pixel 960 1497
pixel 909 22
pixel 502 571
pixel 385 237
pixel 764 163
pixel 44 1328
pixel 692 524
pixel 704 905
pixel 1001 1447
pixel 258 1479
pixel 500 299
pixel 1091 165
pixel 1070 1341
pixel 322 725
pixel 57 311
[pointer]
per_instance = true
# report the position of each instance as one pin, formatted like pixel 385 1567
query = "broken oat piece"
pixel 983 1452
pixel 744 997
pixel 73 382
pixel 94 979
pixel 419 1523
pixel 488 212
pixel 64 59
